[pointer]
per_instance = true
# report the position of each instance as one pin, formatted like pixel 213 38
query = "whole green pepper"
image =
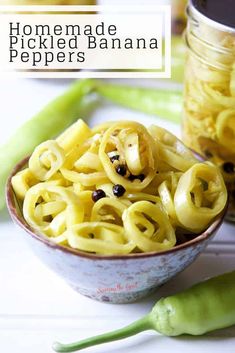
pixel 48 123
pixel 205 307
pixel 164 103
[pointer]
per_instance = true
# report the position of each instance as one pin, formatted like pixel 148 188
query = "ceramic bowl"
pixel 113 279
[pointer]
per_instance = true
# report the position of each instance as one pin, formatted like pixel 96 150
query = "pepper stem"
pixel 130 330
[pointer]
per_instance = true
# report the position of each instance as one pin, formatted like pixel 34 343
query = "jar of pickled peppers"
pixel 209 89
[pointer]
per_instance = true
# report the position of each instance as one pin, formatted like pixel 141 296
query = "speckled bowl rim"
pixel 10 196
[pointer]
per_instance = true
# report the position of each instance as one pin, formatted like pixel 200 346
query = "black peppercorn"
pixel 98 194
pixel 121 169
pixel 139 177
pixel 114 158
pixel 118 190
pixel 131 177
pixel 229 167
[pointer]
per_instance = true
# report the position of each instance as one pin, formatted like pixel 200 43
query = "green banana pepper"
pixel 166 104
pixel 205 307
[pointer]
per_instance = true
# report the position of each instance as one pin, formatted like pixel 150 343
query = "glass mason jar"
pixel 209 90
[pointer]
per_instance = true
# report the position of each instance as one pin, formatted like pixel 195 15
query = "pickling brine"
pixel 209 90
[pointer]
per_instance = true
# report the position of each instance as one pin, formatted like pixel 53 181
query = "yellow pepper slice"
pixel 171 150
pixel 163 234
pixel 112 140
pixel 22 181
pixel 100 238
pixel 44 201
pixel 46 160
pixel 195 211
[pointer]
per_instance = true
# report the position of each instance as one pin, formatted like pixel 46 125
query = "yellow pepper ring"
pixel 115 209
pixel 150 164
pixel 213 198
pixel 172 150
pixel 74 209
pixel 162 238
pixel 22 181
pixel 46 160
pixel 225 129
pixel 141 196
pixel 99 237
pixel 83 178
pixel 167 199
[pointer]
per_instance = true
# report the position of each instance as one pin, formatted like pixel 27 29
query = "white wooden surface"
pixel 37 307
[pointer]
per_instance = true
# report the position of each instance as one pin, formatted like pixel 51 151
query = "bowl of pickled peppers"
pixel 117 209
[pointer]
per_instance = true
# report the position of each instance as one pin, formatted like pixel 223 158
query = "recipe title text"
pixel 46 44
pixel 77 41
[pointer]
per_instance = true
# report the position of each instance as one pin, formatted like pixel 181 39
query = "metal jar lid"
pixel 219 14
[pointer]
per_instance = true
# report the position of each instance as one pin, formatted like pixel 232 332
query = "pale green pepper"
pixel 205 307
pixel 164 103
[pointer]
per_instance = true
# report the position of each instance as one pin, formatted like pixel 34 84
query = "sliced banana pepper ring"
pixel 225 128
pixel 44 202
pixel 22 181
pixel 200 196
pixel 171 150
pixel 99 237
pixel 141 144
pixel 46 160
pixel 108 209
pixel 171 177
pixel 167 199
pixel 84 166
pixel 162 236
pixel 217 97
pixel 166 192
pixel 57 227
pixel 131 153
pixel 83 178
pixel 141 196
